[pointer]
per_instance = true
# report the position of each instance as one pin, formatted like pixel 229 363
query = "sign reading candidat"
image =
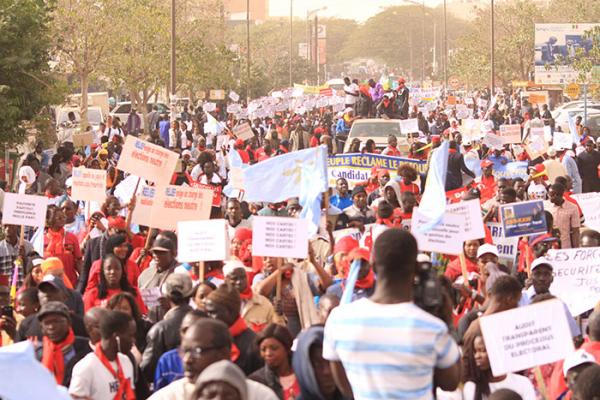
pixel 589 205
pixel 202 240
pixel 526 337
pixel 507 247
pixel 279 237
pixel 89 184
pixel 510 134
pixel 462 221
pixel 523 219
pixel 24 209
pixel 576 277
pixel 142 212
pixel 151 162
pixel 409 125
pixel 179 203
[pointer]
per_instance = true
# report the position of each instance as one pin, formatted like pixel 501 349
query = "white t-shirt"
pixel 388 350
pixel 183 389
pixel 92 380
pixel 351 88
pixel 537 191
pixel 517 383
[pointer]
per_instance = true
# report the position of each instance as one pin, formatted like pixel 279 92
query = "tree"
pixel 26 82
pixel 83 34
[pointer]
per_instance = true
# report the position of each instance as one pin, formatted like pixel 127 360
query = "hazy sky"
pixel 353 9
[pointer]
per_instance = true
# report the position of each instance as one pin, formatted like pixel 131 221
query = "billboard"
pixel 555 48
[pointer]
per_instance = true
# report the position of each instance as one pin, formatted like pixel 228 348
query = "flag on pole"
pixel 433 202
pixel 350 282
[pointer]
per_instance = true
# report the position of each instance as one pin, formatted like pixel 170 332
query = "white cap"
pixel 577 358
pixel 487 248
pixel 186 152
pixel 551 151
pixel 421 257
pixel 231 266
pixel 69 182
pixel 27 172
pixel 540 261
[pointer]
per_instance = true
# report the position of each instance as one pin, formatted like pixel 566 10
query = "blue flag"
pixel 350 282
pixel 433 202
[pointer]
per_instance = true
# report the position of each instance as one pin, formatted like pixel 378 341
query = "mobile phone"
pixel 6 311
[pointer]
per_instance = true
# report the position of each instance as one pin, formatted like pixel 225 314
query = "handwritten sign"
pixel 202 240
pixel 142 212
pixel 510 133
pixel 24 209
pixel 562 140
pixel 462 221
pixel 526 337
pixel 576 277
pixel 216 191
pixel 523 219
pixel 409 125
pixel 493 141
pixel 147 160
pixel 507 247
pixel 179 203
pixel 279 237
pixel 589 205
pixel 89 184
pixel 243 131
pixel 234 96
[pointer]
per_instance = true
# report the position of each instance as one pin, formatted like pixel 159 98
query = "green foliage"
pixel 26 82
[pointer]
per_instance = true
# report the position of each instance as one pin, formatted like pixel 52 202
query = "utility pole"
pixel 317 48
pixel 423 46
pixel 492 50
pixel 248 50
pixel 173 96
pixel 291 45
pixel 445 48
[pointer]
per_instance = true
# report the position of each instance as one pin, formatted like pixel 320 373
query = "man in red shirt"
pixel 392 148
pixel 486 183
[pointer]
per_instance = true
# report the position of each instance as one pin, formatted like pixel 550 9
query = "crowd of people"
pixel 112 314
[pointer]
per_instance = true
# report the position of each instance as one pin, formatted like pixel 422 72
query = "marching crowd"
pixel 112 314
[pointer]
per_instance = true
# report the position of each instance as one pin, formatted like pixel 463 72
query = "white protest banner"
pixel 234 108
pixel 526 337
pixel 462 221
pixel 243 131
pixel 510 133
pixel 202 240
pixel 209 107
pixel 409 125
pixel 147 160
pixel 562 140
pixel 507 247
pixel 24 209
pixel 471 128
pixel 142 212
pixel 89 184
pixel 493 141
pixel 179 203
pixel 537 145
pixel 234 96
pixel 589 205
pixel 576 277
pixel 462 112
pixel 279 237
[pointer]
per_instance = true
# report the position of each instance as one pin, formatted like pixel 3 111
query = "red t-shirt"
pixel 91 300
pixel 131 268
pixel 454 270
pixel 70 254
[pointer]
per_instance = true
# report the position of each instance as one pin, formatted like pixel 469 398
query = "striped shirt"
pixel 389 351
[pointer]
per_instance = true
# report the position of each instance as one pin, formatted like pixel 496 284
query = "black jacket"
pixel 269 378
pixel 81 347
pixel 249 359
pixel 456 164
pixel 162 337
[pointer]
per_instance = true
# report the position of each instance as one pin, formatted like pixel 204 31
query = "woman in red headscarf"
pixel 61 244
pixel 365 284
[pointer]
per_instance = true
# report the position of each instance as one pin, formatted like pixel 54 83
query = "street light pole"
pixel 445 48
pixel 248 50
pixel 173 65
pixel 492 49
pixel 423 45
pixel 291 45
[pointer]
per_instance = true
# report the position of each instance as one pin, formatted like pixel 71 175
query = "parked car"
pixel 122 110
pixel 65 130
pixel 378 130
pixel 561 118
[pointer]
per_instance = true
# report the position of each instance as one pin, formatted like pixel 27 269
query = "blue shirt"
pixel 527 297
pixel 341 127
pixel 168 369
pixel 340 202
pixel 163 127
pixel 498 161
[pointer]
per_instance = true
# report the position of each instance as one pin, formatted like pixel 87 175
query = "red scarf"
pixel 235 330
pixel 125 391
pixel 367 282
pixel 53 357
pixel 55 242
pixel 246 294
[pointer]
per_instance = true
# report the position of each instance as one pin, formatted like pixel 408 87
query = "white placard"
pixel 462 221
pixel 493 141
pixel 510 134
pixel 147 160
pixel 234 108
pixel 210 107
pixel 562 140
pixel 589 205
pixel 202 240
pixel 526 337
pixel 89 184
pixel 243 131
pixel 279 237
pixel 576 277
pixel 24 209
pixel 409 125
pixel 507 247
pixel 143 207
pixel 234 96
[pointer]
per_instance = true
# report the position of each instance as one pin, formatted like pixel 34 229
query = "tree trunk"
pixel 144 105
pixel 84 78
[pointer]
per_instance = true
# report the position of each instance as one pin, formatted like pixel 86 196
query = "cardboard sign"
pixel 526 337
pixel 576 277
pixel 493 141
pixel 234 108
pixel 234 96
pixel 83 139
pixel 216 191
pixel 279 237
pixel 451 100
pixel 218 94
pixel 142 212
pixel 243 131
pixel 24 209
pixel 409 125
pixel 589 205
pixel 147 160
pixel 89 184
pixel 538 97
pixel 523 219
pixel 462 221
pixel 510 133
pixel 507 247
pixel 202 240
pixel 179 203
